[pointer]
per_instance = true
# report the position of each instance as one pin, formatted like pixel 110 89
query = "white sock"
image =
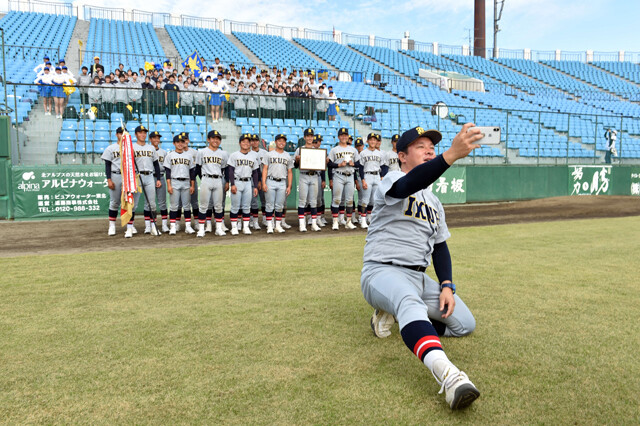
pixel 129 225
pixel 164 222
pixel 147 223
pixel 439 363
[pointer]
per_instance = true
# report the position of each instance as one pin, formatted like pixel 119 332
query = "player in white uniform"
pixel 276 182
pixel 211 165
pixel 260 152
pixel 161 192
pixel 390 158
pixel 370 163
pixel 243 178
pixel 344 160
pixel 180 169
pixel 407 230
pixel 113 162
pixel 148 168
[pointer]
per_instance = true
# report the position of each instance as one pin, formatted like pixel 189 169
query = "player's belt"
pixel 309 173
pixel 146 173
pixel 212 176
pixel 276 179
pixel 181 178
pixel 344 174
pixel 115 172
pixel 417 268
pixel 372 173
pixel 243 179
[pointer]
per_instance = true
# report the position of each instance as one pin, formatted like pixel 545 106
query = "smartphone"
pixel 491 135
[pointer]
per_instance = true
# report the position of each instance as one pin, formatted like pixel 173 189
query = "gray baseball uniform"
pixel 307 187
pixel 403 233
pixel 278 166
pixel 390 159
pixel 180 165
pixel 145 155
pixel 161 193
pixel 254 200
pixel 371 162
pixel 112 155
pixel 211 164
pixel 343 176
pixel 244 165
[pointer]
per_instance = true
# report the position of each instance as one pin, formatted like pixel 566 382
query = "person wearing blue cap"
pixel 332 111
pixel 214 99
pixel 408 232
pixel 40 67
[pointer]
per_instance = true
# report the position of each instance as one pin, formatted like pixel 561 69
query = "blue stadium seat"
pixel 99 147
pixel 68 135
pixel 187 119
pixel 66 147
pixel 177 128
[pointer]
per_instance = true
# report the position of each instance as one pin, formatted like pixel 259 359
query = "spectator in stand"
pixel 332 111
pixel 121 97
pixel 108 97
pixel 135 94
pixel 322 104
pixel 200 98
pixel 83 83
pixel 45 64
pixel 43 80
pixel 94 93
pixel 172 95
pixel 252 100
pixel 157 99
pixel 214 99
pixel 281 102
pixel 57 91
pixel 147 87
pixel 186 100
pixel 240 100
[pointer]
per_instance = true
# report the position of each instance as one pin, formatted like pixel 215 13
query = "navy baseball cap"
pixel 395 138
pixel 177 138
pixel 343 131
pixel 46 57
pixel 373 136
pixel 244 136
pixel 309 132
pixel 255 137
pixel 154 134
pixel 184 135
pixel 141 129
pixel 358 142
pixel 214 134
pixel 281 136
pixel 411 135
pixel 120 130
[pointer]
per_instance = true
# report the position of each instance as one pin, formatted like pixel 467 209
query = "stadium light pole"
pixel 496 17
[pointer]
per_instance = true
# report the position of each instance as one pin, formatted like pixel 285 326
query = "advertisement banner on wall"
pixel 589 180
pixel 635 182
pixel 451 188
pixel 57 192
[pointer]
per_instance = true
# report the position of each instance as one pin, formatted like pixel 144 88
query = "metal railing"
pixel 528 136
pixel 38 6
pixel 15 52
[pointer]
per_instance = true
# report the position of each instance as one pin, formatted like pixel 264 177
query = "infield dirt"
pixel 90 235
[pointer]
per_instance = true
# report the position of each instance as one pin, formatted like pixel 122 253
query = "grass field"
pixel 278 332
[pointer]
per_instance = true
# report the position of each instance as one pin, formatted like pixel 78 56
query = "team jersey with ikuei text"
pixel 180 164
pixel 145 155
pixel 244 164
pixel 404 231
pixel 390 159
pixel 112 154
pixel 278 164
pixel 338 154
pixel 212 162
pixel 371 160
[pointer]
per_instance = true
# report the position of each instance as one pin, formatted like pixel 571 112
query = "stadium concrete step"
pixel 42 133
pixel 169 48
pixel 80 33
pixel 313 55
pixel 248 53
pixel 229 131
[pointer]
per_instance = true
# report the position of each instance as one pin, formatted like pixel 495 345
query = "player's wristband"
pixel 452 286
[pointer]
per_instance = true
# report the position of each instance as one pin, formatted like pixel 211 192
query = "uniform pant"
pixel 211 193
pixel 254 201
pixel 194 196
pixel 373 180
pixel 149 183
pixel 342 184
pixel 116 193
pixel 180 196
pixel 412 296
pixel 241 200
pixel 161 194
pixel 307 190
pixel 276 195
pixel 320 201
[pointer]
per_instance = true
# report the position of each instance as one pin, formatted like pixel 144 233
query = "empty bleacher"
pixel 209 44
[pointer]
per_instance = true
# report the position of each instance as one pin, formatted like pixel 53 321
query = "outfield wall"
pixel 49 192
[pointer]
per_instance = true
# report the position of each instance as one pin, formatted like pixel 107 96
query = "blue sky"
pixel 570 25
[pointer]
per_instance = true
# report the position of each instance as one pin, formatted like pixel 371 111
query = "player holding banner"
pixel 407 232
pixel 129 183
